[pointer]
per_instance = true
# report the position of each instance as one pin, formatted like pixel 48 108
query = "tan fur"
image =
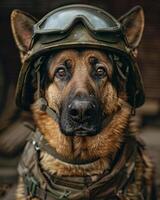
pixel 88 147
pixel 83 148
pixel 100 145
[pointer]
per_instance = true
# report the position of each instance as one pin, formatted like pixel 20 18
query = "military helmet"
pixel 78 26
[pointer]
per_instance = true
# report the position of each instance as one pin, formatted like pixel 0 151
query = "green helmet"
pixel 76 26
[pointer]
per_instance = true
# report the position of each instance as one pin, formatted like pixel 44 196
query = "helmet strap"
pixel 43 106
pixel 133 111
pixel 38 85
pixel 118 65
pixel 41 101
pixel 116 62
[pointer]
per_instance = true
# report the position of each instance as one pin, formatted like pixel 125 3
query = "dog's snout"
pixel 82 115
pixel 81 110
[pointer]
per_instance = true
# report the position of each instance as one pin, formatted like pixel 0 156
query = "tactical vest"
pixel 123 181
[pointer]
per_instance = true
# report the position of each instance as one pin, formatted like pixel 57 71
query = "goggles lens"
pixel 62 19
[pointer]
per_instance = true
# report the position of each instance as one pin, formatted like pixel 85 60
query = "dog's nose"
pixel 81 110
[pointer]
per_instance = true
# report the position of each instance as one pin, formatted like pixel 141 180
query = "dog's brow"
pixel 94 59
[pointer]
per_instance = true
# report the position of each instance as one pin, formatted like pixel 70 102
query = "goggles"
pixel 62 19
pixel 61 23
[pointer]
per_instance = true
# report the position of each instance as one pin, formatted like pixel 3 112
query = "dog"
pixel 94 151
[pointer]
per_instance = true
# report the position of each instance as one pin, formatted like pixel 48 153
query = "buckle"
pixel 36 146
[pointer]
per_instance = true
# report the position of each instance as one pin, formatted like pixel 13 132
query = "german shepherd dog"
pixel 79 84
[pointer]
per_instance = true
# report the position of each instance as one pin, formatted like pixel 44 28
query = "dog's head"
pixel 85 87
pixel 80 86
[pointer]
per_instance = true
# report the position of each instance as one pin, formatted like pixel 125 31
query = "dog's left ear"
pixel 133 25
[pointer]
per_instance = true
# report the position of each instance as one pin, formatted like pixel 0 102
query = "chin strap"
pixel 41 101
pixel 43 106
pixel 124 76
pixel 41 144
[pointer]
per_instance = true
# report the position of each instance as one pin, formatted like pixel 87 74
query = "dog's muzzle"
pixel 81 116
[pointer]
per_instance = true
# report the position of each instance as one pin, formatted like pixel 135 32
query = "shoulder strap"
pixel 36 184
pixel 33 189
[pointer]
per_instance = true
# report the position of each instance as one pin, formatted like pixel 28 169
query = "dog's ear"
pixel 133 25
pixel 22 28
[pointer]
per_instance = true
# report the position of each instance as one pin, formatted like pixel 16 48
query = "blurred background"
pixel 11 119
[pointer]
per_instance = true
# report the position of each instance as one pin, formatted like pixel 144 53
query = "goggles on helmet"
pixel 60 20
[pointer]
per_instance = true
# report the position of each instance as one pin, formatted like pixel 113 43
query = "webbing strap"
pixel 34 190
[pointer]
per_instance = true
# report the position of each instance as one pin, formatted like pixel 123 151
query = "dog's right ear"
pixel 22 28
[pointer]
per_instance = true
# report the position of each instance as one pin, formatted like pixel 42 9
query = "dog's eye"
pixel 100 71
pixel 61 72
